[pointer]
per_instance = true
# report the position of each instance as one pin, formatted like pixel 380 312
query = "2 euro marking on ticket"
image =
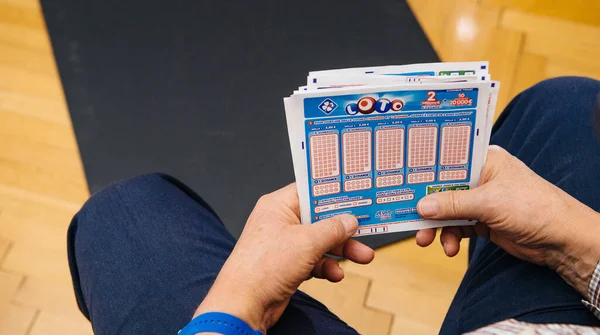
pixel 374 151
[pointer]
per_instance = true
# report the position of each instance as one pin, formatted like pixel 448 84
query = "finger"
pixel 317 270
pixel 329 233
pixel 450 238
pixel 332 271
pixel 425 237
pixel 468 204
pixel 327 268
pixel 355 251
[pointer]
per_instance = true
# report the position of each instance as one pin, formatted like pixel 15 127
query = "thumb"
pixel 329 233
pixel 467 204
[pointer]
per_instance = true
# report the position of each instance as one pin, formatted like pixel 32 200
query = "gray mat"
pixel 194 88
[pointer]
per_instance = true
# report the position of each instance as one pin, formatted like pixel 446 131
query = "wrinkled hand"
pixel 275 254
pixel 519 211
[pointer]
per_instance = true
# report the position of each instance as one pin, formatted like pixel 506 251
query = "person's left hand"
pixel 275 254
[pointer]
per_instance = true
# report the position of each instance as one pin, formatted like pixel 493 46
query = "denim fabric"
pixel 144 252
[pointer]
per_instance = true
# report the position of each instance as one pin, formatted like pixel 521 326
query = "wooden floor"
pixel 405 291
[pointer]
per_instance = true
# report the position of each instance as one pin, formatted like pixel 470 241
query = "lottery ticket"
pixel 373 141
pixel 335 81
pixel 425 69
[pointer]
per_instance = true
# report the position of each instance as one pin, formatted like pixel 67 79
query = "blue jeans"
pixel 144 252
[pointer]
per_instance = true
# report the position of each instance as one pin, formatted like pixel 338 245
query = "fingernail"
pixel 349 223
pixel 428 207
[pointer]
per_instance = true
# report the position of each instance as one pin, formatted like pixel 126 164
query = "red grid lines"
pixel 357 152
pixel 455 145
pixel 389 149
pixel 422 144
pixel 324 157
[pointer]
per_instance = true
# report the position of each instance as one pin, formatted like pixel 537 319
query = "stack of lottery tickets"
pixel 373 141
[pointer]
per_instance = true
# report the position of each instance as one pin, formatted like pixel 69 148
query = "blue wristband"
pixel 217 322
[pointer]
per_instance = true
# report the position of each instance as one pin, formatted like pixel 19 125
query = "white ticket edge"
pixel 336 82
pixel 491 112
pixel 329 82
pixel 298 155
pixel 398 69
pixel 410 225
pixel 296 129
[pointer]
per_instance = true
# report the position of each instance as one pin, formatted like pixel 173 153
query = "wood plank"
pixel 9 284
pixel 411 274
pixel 346 300
pixel 20 177
pixel 49 110
pixel 21 194
pixel 43 233
pixel 19 80
pixel 23 127
pixel 419 274
pixel 548 46
pixel 16 320
pixel 406 253
pixel 402 326
pixel 21 16
pixel 35 292
pixel 557 68
pixel 416 297
pixel 30 260
pixel 549 26
pixel 27 38
pixel 42 157
pixel 4 247
pixel 504 55
pixel 511 4
pixel 582 11
pixel 31 4
pixel 468 32
pixel 49 323
pixel 25 209
pixel 531 69
pixel 27 60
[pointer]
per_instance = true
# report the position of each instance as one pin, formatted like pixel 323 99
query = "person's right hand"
pixel 522 213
